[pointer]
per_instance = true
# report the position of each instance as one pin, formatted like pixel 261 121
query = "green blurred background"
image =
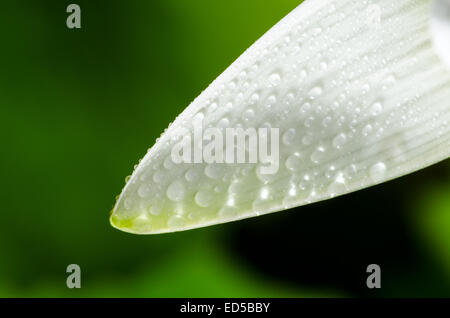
pixel 80 107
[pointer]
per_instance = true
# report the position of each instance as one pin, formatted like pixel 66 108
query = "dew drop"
pixel 288 136
pixel 155 210
pixel 293 162
pixel 318 155
pixel 158 176
pixel 198 118
pixel 339 141
pixel 176 191
pixel 378 172
pixel 254 98
pixel 290 98
pixel 388 82
pixel 377 108
pixel 305 108
pixel 271 100
pixel 367 130
pixel 192 175
pixel 143 191
pixel 214 171
pixel 236 188
pixel 315 92
pixel 204 198
pixel 212 107
pixel 176 222
pixel 248 114
pixel 168 163
pixel 274 79
pixel 338 186
pixel 223 123
pixel 264 194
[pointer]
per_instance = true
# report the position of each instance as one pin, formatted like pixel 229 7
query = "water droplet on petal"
pixel 378 172
pixel 176 222
pixel 204 198
pixel 288 136
pixel 176 191
pixel 315 92
pixel 143 191
pixel 339 141
pixel 274 79
pixel 318 155
pixel 214 171
pixel 377 108
pixel 293 162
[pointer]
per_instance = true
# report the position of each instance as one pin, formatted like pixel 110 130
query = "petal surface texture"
pixel 359 96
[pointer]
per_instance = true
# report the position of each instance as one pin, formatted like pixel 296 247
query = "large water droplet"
pixel 204 198
pixel 214 171
pixel 143 191
pixel 176 191
pixel 338 186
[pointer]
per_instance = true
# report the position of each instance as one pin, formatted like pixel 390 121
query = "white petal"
pixel 358 92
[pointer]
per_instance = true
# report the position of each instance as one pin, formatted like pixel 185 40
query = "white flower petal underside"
pixel 358 92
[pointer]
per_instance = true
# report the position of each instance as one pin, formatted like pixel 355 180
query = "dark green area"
pixel 80 107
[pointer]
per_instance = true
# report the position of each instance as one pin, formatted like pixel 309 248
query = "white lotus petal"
pixel 359 94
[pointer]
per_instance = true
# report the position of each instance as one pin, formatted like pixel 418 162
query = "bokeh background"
pixel 79 108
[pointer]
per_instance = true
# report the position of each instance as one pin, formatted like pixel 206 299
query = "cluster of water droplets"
pixel 326 91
